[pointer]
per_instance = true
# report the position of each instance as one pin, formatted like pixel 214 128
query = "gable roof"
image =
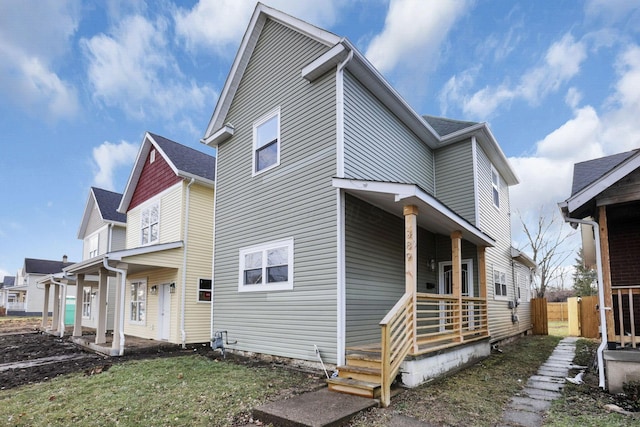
pixel 107 203
pixel 342 51
pixel 444 126
pixel 44 266
pixel 185 162
pixel 592 177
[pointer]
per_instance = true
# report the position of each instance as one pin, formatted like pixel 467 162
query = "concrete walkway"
pixel 527 409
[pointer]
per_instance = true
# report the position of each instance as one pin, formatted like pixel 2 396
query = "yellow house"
pixel 163 289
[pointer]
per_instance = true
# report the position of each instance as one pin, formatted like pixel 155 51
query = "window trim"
pixel 143 208
pixel 256 124
pixel 198 300
pixel 495 188
pixel 93 240
pixel 263 247
pixel 504 285
pixel 139 283
pixel 86 302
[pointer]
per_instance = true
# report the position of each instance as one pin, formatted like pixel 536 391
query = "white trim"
pixel 469 263
pixel 324 62
pixel 341 279
pixel 147 206
pixel 476 178
pixel 198 290
pixel 223 134
pixel 501 297
pixel 118 255
pixel 263 247
pixel 340 115
pixel 275 113
pixel 495 187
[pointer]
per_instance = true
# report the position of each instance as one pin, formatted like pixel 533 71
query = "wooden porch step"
pixel 355 387
pixel 362 373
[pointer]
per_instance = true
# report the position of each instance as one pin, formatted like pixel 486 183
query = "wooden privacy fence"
pixel 584 317
pixel 557 311
pixel 539 316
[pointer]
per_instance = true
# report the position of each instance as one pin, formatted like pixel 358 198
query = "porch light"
pixel 432 264
pixel 154 290
pixel 172 288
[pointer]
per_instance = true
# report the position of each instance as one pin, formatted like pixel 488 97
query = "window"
pixel 152 156
pixel 150 217
pixel 86 302
pixel 93 246
pixel 266 142
pixel 524 290
pixel 138 302
pixel 495 183
pixel 204 290
pixel 500 283
pixel 267 267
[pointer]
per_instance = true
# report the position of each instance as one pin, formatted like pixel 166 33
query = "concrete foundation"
pixel 621 366
pixel 421 369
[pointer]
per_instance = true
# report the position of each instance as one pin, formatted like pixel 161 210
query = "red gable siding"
pixel 155 178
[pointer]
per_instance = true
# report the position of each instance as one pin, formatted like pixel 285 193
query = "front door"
pixel 164 312
pixel 446 288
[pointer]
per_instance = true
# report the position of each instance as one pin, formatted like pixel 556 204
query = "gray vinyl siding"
pixel 497 224
pixel 455 179
pixel 118 238
pixel 377 146
pixel 293 200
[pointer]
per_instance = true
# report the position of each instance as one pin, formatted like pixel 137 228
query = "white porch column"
pixel 77 318
pixel 118 314
pixel 456 279
pixel 101 328
pixel 411 262
pixel 45 309
pixel 56 308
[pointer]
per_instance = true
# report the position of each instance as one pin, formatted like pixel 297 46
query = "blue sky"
pixel 80 82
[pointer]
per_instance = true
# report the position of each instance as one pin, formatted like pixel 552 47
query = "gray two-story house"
pixel 348 226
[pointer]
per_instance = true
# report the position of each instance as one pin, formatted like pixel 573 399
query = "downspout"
pixel 603 318
pixel 185 240
pixel 123 285
pixel 341 288
pixel 63 297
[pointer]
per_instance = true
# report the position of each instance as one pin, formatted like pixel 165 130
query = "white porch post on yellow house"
pixel 411 262
pixel 118 313
pixel 456 280
pixel 55 326
pixel 45 309
pixel 77 318
pixel 101 328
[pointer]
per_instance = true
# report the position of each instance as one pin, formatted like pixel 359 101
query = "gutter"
pixel 603 318
pixel 185 239
pixel 123 285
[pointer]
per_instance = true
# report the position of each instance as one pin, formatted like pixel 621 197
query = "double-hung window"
pixel 93 246
pixel 500 283
pixel 495 187
pixel 86 302
pixel 266 142
pixel 149 223
pixel 138 303
pixel 267 267
pixel 204 290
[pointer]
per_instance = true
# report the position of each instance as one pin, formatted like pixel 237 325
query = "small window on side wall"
pixel 266 267
pixel 204 290
pixel 266 142
pixel 495 187
pixel 500 284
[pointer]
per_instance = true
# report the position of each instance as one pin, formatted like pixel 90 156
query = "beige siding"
pixel 293 200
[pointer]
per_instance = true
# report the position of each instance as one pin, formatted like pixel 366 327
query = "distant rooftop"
pixel 586 173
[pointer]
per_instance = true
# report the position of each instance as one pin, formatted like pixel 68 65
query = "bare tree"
pixel 546 241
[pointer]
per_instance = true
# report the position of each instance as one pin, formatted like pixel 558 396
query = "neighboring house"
pixel 605 202
pixel 163 287
pixel 324 177
pixel 102 230
pixel 29 292
pixel 9 298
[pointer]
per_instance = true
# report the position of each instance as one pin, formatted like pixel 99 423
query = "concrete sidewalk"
pixel 527 409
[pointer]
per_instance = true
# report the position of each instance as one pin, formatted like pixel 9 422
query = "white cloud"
pixel 108 157
pixel 562 62
pixel 35 35
pixel 133 69
pixel 413 32
pixel 220 24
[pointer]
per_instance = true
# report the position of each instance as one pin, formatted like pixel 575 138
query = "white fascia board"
pixel 318 34
pixel 606 181
pixel 324 62
pixel 86 215
pixel 197 178
pixel 159 149
pixel 87 265
pixel 219 136
pixel 118 255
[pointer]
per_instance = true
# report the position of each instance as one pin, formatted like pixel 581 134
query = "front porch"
pixel 133 345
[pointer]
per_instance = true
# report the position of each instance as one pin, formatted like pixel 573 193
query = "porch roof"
pixel 433 215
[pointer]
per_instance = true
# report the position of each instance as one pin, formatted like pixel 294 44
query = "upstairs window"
pixel 266 142
pixel 500 283
pixel 149 224
pixel 93 246
pixel 204 290
pixel 267 267
pixel 495 184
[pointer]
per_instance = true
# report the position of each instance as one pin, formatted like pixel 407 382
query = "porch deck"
pixel 133 345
